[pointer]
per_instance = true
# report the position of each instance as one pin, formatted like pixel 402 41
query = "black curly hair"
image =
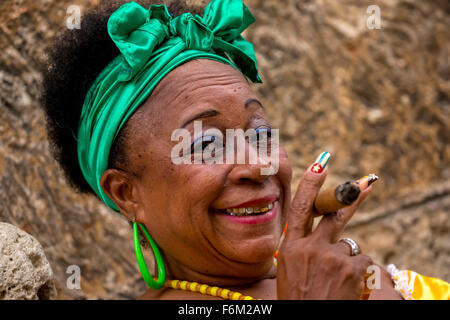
pixel 74 61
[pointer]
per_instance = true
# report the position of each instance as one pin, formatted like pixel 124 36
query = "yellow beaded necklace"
pixel 206 290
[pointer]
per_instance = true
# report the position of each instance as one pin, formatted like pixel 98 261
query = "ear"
pixel 118 185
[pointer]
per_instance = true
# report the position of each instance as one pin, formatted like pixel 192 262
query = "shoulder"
pixel 384 287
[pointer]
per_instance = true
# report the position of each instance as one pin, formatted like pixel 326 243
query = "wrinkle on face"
pixel 175 200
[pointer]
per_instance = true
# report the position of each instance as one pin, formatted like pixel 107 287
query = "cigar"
pixel 331 200
pixel 343 195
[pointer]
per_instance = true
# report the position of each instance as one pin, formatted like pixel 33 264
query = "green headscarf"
pixel 152 44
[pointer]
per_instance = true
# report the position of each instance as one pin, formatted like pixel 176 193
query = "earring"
pixel 159 283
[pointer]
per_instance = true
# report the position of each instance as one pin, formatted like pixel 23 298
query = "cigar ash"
pixel 347 193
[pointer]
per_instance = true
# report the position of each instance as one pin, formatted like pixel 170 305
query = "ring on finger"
pixel 354 247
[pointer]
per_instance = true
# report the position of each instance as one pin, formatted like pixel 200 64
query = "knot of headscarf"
pixel 152 43
pixel 137 32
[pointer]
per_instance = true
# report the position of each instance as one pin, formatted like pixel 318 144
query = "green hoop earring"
pixel 159 283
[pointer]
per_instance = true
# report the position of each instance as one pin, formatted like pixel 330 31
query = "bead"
pixel 214 291
pixel 236 296
pixel 203 288
pixel 183 285
pixel 193 286
pixel 248 298
pixel 224 293
pixel 174 284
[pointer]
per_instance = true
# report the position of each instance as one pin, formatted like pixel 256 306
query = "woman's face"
pixel 183 205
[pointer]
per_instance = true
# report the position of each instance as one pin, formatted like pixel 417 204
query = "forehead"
pixel 197 84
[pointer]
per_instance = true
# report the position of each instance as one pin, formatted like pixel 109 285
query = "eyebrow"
pixel 204 114
pixel 212 113
pixel 251 100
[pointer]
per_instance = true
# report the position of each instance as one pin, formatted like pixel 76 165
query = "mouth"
pixel 247 211
pixel 255 211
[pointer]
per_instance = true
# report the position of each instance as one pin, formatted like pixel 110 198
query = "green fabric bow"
pixel 152 44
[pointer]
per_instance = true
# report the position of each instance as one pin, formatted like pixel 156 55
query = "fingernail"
pixel 366 181
pixel 321 162
pixel 372 178
pixel 362 179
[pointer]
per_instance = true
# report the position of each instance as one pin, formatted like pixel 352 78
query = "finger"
pixel 301 211
pixel 332 225
pixel 344 248
pixel 366 181
pixel 367 291
pixel 362 264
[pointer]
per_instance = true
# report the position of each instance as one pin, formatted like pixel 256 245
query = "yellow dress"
pixel 413 286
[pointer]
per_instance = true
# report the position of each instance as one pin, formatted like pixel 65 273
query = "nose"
pixel 249 172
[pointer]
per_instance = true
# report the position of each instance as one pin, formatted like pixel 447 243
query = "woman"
pixel 116 92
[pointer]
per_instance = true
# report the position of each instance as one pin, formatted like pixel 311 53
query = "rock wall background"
pixel 378 100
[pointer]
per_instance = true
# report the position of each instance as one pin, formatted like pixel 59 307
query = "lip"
pixel 255 219
pixel 260 202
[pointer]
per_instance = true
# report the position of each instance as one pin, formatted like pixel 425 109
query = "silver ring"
pixel 354 247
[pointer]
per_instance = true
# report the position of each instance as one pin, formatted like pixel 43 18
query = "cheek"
pixel 199 184
pixel 285 176
pixel 177 214
pixel 183 193
pixel 285 169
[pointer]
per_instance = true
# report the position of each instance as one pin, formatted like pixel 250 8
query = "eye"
pixel 263 134
pixel 203 142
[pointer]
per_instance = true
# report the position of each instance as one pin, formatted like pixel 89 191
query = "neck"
pixel 177 270
pixel 258 286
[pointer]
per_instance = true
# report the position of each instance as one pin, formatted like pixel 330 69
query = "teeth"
pixel 249 210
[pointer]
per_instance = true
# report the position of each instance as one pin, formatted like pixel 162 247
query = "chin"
pixel 257 251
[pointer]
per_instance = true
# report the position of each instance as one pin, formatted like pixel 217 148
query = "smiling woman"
pixel 111 119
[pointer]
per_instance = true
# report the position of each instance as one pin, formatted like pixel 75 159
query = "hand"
pixel 313 265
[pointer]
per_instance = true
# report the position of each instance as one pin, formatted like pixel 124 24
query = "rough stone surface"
pixel 25 272
pixel 413 231
pixel 378 100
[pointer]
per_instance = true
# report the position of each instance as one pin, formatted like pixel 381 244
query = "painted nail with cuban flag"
pixel 321 162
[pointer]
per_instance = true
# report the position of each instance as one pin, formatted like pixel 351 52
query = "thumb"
pixel 301 212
